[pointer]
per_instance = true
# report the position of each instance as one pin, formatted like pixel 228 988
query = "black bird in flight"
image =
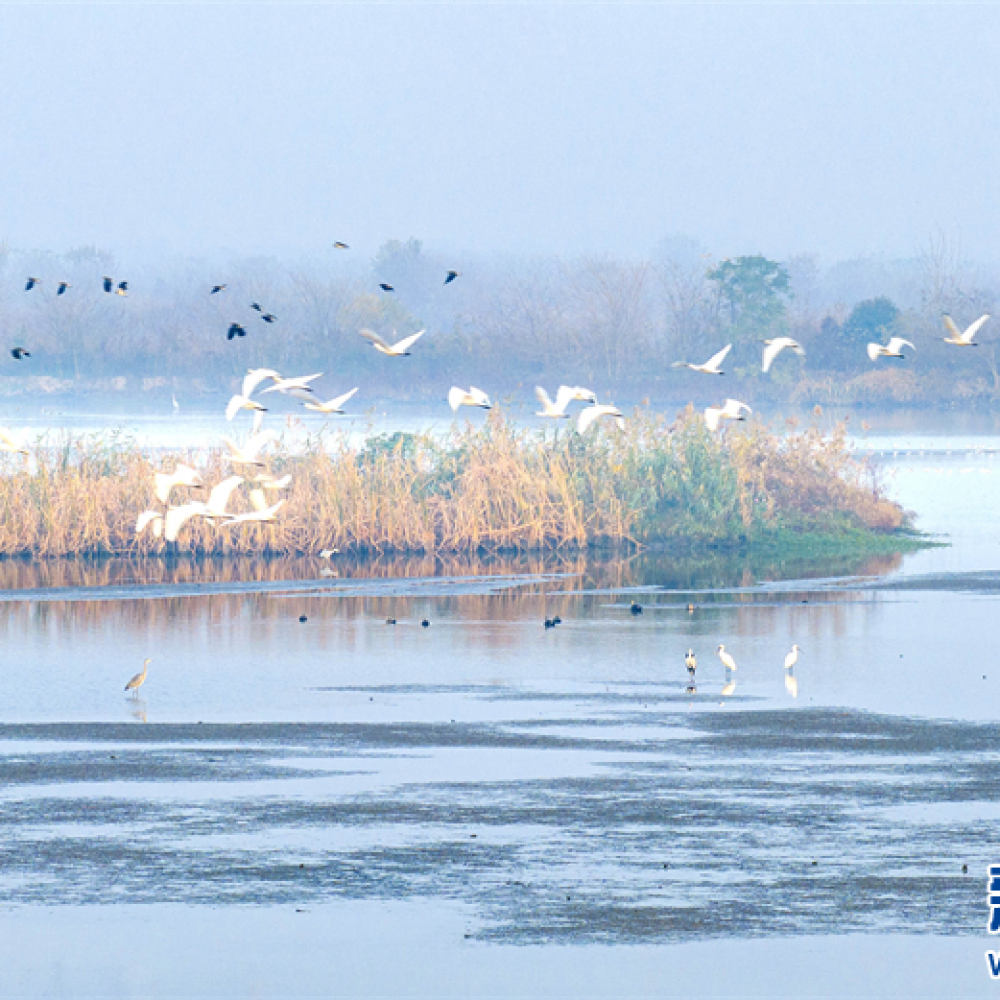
pixel 31 283
pixel 268 318
pixel 385 287
pixel 340 246
pixel 19 353
pixel 216 289
pixel 235 330
pixel 122 288
pixel 63 285
pixel 452 275
pixel 109 284
pixel 256 305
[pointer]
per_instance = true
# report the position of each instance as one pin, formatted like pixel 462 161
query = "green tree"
pixel 754 293
pixel 870 320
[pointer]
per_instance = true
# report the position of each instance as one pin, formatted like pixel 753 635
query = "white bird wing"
pixel 144 518
pixel 548 407
pixel 974 328
pixel 733 408
pixel 234 451
pixel 177 517
pixel 220 495
pixel 8 440
pixel 267 514
pixel 564 396
pixel 374 338
pixel 952 329
pixel 456 397
pixel 874 350
pixel 716 359
pixel 277 484
pixel 479 396
pixel 258 499
pixel 895 343
pixel 164 484
pixel 302 392
pixel 591 413
pixel 254 378
pixel 407 342
pixel 255 442
pixel 712 416
pixel 186 476
pixel 234 406
pixel 338 403
pixel 771 351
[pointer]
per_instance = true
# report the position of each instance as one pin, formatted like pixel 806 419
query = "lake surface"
pixel 491 804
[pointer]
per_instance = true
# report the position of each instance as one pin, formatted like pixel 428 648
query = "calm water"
pixel 486 782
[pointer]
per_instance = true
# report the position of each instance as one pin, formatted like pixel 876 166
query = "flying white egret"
pixel 270 483
pixel 183 475
pixel 792 658
pixel 290 385
pixel 247 455
pixel 215 506
pixel 177 517
pixel 772 348
pixel 731 410
pixel 265 514
pixel 401 349
pixel 147 517
pixel 550 409
pixel 727 658
pixel 474 397
pixel 891 350
pixel 591 413
pixel 139 679
pixel 960 339
pixel 710 367
pixel 7 443
pixel 241 402
pixel 574 394
pixel 334 405
pixel 213 509
pixel 254 377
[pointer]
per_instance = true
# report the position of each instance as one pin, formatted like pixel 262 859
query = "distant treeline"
pixel 508 322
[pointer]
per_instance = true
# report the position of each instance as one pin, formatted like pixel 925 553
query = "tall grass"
pixel 494 489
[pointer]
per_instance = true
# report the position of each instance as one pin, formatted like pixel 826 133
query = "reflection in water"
pixel 791 684
pixel 137 709
pixel 729 687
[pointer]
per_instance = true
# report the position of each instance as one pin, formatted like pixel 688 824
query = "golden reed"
pixel 493 489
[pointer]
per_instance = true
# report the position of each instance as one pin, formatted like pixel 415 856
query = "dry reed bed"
pixel 497 488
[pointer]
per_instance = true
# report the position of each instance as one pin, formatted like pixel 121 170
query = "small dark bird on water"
pixel 31 283
pixel 385 287
pixel 636 609
pixel 235 330
pixel 268 318
pixel 302 618
pixel 549 623
pixel 63 285
pixel 557 620
pixel 122 288
pixel 109 284
pixel 257 306
pixel 452 275
pixel 390 621
pixel 19 353
pixel 340 246
pixel 216 289
pixel 425 623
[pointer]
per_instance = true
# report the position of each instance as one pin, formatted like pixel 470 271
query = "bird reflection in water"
pixel 137 709
pixel 730 685
pixel 791 684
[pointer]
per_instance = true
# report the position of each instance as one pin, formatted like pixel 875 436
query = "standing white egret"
pixel 732 409
pixel 7 443
pixel 591 413
pixel 139 679
pixel 400 349
pixel 710 367
pixel 891 350
pixel 727 658
pixel 960 339
pixel 474 397
pixel 334 405
pixel 691 662
pixel 772 348
pixel 792 658
pixel 183 475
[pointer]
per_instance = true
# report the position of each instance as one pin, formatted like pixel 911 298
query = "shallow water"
pixel 524 785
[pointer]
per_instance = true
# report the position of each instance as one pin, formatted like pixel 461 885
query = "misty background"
pixel 584 168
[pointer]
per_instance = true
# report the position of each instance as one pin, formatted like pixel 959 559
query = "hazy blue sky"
pixel 841 129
